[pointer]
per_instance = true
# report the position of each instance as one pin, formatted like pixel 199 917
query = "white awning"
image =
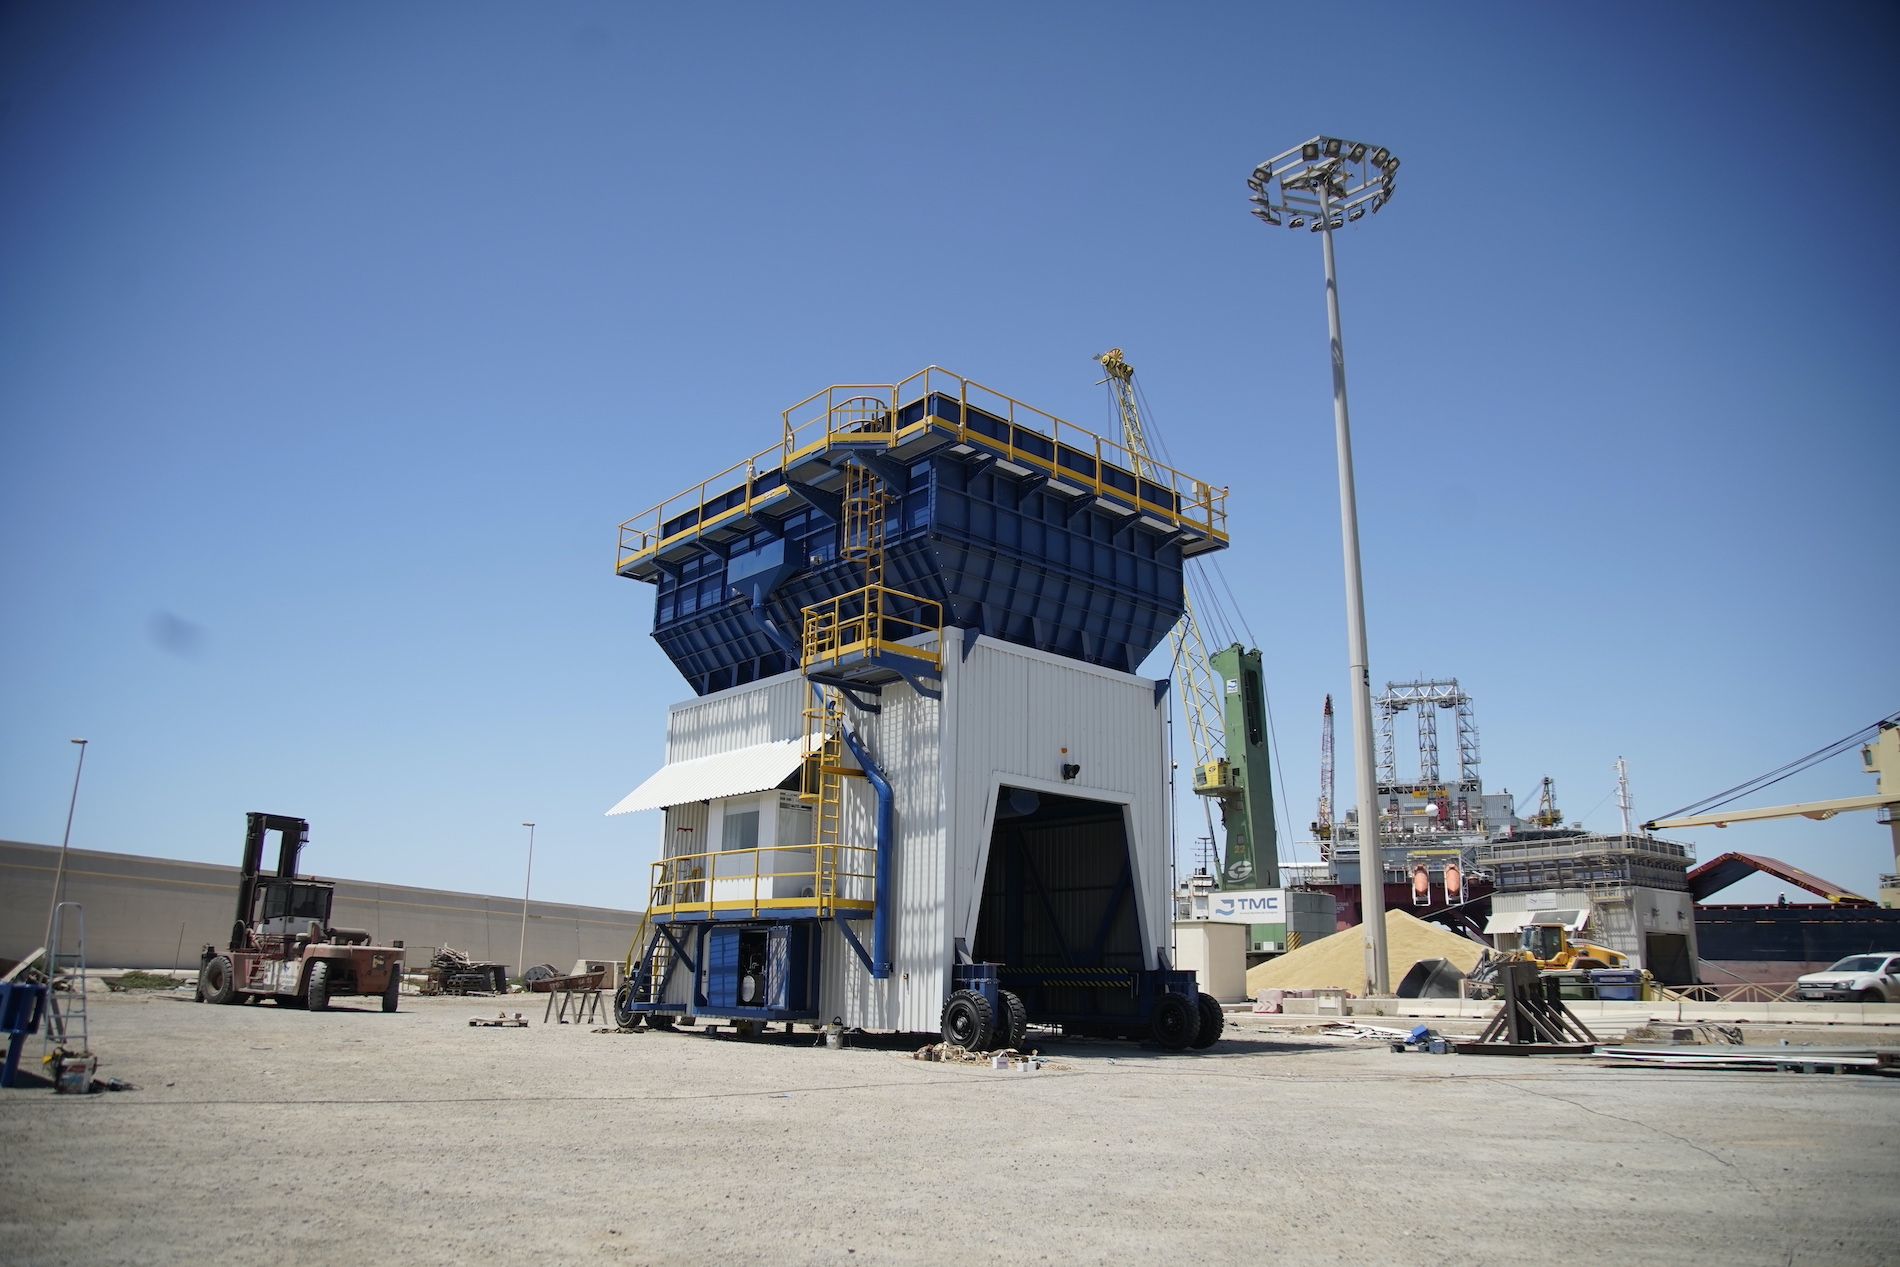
pixel 732 773
pixel 1516 921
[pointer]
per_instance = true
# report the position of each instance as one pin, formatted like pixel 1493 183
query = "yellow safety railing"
pixel 856 412
pixel 822 878
pixel 861 622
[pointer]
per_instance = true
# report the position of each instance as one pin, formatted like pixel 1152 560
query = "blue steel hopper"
pixel 1003 520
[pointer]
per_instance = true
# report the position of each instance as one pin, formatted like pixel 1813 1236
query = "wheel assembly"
pixel 1013 1025
pixel 316 993
pixel 624 1015
pixel 1213 1021
pixel 967 1020
pixel 1176 1022
pixel 216 983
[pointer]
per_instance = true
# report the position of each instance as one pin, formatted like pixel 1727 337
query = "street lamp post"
pixel 65 841
pixel 521 953
pixel 1327 182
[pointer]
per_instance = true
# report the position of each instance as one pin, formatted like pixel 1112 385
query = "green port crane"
pixel 1222 697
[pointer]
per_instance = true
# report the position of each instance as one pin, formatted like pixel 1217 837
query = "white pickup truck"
pixel 1871 978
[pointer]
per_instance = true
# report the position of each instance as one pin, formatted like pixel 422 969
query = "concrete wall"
pixel 158 912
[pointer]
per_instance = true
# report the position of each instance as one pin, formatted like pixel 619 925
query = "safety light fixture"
pixel 1331 183
pixel 1325 181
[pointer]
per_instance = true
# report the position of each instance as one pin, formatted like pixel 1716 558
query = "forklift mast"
pixel 294 833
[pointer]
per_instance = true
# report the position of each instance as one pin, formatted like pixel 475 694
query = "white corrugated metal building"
pixel 993 750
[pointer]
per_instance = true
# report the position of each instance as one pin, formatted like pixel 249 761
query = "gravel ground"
pixel 358 1137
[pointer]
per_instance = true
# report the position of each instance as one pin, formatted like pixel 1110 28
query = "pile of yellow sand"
pixel 1339 961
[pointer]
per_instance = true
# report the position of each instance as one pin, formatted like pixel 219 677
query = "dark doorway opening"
pixel 1059 890
pixel 1667 956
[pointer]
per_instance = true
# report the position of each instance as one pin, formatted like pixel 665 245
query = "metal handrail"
pixel 685 883
pixel 852 412
pixel 831 633
pixel 1730 992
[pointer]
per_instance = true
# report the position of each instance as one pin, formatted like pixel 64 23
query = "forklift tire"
pixel 1013 1024
pixel 659 1020
pixel 216 982
pixel 1213 1021
pixel 392 992
pixel 967 1021
pixel 1176 1022
pixel 316 993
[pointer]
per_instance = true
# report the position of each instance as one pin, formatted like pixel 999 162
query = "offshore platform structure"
pixel 1453 806
pixel 921 785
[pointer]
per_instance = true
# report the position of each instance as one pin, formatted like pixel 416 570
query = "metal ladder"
pixel 66 986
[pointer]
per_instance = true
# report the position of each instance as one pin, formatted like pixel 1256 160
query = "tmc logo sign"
pixel 1263 906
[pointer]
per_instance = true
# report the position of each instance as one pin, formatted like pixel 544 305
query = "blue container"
pixel 1618 984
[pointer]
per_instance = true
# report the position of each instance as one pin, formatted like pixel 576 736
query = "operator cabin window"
pixel 739 830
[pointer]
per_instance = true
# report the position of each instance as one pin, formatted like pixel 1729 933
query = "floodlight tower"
pixel 1329 182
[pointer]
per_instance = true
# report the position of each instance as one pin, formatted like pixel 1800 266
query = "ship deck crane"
pixel 1222 697
pixel 1879 757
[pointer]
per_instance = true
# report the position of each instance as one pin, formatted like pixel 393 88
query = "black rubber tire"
pixel 1213 1021
pixel 217 982
pixel 392 993
pixel 1871 996
pixel 1013 1025
pixel 1176 1021
pixel 316 990
pixel 967 1021
pixel 660 1020
pixel 624 1015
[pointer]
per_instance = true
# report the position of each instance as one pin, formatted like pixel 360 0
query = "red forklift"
pixel 283 945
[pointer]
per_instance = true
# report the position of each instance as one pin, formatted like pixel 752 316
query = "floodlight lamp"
pixel 1298 222
pixel 1356 213
pixel 1331 146
pixel 1391 166
pixel 1256 184
pixel 1357 152
pixel 1310 151
pixel 1263 173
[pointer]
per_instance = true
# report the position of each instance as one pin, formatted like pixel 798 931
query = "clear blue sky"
pixel 335 340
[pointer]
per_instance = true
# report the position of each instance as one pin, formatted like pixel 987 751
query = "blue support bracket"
pixel 850 690
pixel 1161 689
pixel 970 634
pixel 857 947
pixel 830 505
pixel 894 475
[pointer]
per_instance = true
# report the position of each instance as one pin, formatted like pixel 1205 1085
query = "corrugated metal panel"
pixel 1011 712
pixel 732 773
pixel 739 718
pixel 1006 714
pixel 685 829
pixel 905 740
